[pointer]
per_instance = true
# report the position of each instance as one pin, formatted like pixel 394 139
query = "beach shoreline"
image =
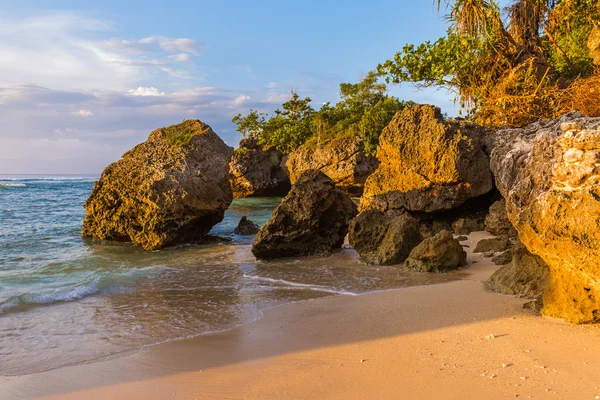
pixel 446 341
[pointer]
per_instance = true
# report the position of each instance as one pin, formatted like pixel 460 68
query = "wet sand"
pixel 455 340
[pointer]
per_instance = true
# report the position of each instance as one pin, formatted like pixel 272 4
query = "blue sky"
pixel 82 82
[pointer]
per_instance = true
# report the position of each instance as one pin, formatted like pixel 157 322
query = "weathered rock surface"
pixel 246 227
pixel 427 164
pixel 384 238
pixel 594 44
pixel 503 258
pixel 497 222
pixel 466 225
pixel 170 189
pixel 343 160
pixel 311 220
pixel 440 253
pixel 255 171
pixel 494 245
pixel 549 174
pixel 526 275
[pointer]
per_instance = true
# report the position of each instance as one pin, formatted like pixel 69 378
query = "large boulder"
pixel 427 164
pixel 549 174
pixel 173 188
pixel 384 238
pixel 440 253
pixel 258 171
pixel 525 276
pixel 497 222
pixel 342 159
pixel 311 220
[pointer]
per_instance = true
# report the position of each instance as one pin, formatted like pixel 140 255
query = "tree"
pixel 251 125
pixel 506 66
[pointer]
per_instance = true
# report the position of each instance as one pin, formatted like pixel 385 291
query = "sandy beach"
pixel 448 341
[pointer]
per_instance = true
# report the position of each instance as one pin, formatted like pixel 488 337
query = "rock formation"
pixel 341 159
pixel 549 174
pixel 384 239
pixel 255 171
pixel 246 227
pixel 525 276
pixel 497 222
pixel 170 189
pixel 311 220
pixel 440 253
pixel 494 245
pixel 427 164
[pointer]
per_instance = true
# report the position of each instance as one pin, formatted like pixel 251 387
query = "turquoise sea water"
pixel 66 300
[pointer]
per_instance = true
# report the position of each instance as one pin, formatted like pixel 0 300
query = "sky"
pixel 81 82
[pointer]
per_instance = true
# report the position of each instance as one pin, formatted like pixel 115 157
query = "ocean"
pixel 68 300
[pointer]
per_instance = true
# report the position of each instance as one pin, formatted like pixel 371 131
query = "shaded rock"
pixel 497 222
pixel 441 253
pixel 384 238
pixel 427 164
pixel 594 44
pixel 493 245
pixel 525 276
pixel 170 189
pixel 311 220
pixel 341 159
pixel 548 174
pixel 464 226
pixel 503 258
pixel 246 227
pixel 258 171
pixel 462 238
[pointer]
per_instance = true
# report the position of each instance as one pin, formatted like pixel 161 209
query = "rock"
pixel 464 226
pixel 493 245
pixel 427 164
pixel 170 189
pixel 384 238
pixel 548 174
pixel 497 222
pixel 256 171
pixel 343 160
pixel 441 253
pixel 431 226
pixel 594 44
pixel 503 258
pixel 462 238
pixel 246 227
pixel 311 220
pixel 526 276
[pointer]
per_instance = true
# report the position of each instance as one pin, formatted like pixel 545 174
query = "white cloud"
pixel 146 91
pixel 83 113
pixel 181 57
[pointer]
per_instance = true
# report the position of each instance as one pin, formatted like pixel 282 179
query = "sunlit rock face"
pixel 171 189
pixel 427 164
pixel 549 174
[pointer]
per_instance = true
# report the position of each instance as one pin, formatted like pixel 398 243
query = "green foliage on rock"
pixel 363 111
pixel 180 134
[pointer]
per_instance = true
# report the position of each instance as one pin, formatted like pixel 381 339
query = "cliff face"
pixel 255 171
pixel 171 189
pixel 549 174
pixel 427 164
pixel 342 159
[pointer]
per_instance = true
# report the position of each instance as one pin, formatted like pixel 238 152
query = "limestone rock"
pixel 466 225
pixel 503 258
pixel 256 171
pixel 497 222
pixel 246 227
pixel 170 189
pixel 526 275
pixel 494 245
pixel 440 253
pixel 548 172
pixel 427 164
pixel 311 220
pixel 384 238
pixel 342 159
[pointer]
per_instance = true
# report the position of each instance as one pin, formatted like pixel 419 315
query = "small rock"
pixel 462 238
pixel 246 227
pixel 494 245
pixel 490 336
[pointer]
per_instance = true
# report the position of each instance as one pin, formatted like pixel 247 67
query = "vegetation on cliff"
pixel 364 110
pixel 534 59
